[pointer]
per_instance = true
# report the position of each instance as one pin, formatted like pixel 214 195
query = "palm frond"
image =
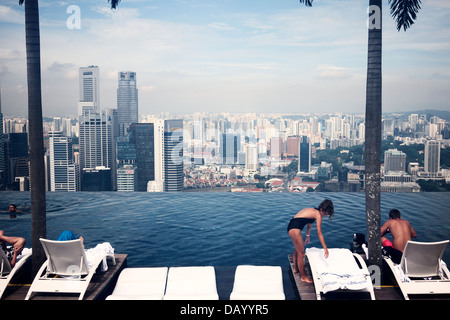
pixel 404 12
pixel 307 3
pixel 114 3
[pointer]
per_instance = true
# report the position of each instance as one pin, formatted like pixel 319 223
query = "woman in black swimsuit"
pixel 306 217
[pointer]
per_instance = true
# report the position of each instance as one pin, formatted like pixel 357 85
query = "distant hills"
pixel 443 114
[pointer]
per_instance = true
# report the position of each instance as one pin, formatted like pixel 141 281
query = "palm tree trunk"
pixel 37 172
pixel 373 134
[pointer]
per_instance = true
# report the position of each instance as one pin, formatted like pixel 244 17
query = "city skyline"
pixel 227 56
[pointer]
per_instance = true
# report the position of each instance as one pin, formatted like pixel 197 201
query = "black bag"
pixel 358 240
pixel 394 254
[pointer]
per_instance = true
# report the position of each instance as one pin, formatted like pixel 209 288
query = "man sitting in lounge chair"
pixel 17 243
pixel 401 231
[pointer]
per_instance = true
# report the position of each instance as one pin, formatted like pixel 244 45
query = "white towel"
pixel 339 271
pixel 101 250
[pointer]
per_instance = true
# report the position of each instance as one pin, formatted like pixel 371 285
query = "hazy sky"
pixel 227 55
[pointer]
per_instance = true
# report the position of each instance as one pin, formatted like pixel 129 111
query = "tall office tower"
pixel 89 88
pixel 158 184
pixel 304 160
pixel 173 155
pixel 16 158
pixel 143 135
pixel 432 157
pixel 2 150
pixel 127 101
pixel 64 174
pixel 394 160
pixel 96 139
pixel 251 157
pixel 230 145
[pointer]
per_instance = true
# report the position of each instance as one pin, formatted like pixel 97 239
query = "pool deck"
pixel 387 291
pixel 102 284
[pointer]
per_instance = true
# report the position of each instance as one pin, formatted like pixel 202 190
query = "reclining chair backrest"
pixel 5 266
pixel 65 258
pixel 422 259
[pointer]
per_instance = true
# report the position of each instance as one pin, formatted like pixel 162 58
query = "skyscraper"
pixel 89 88
pixel 251 157
pixel 304 160
pixel 230 145
pixel 127 101
pixel 432 157
pixel 64 174
pixel 142 135
pixel 2 150
pixel 173 155
pixel 96 139
pixel 158 184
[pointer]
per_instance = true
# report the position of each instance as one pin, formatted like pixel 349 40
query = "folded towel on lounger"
pixel 339 271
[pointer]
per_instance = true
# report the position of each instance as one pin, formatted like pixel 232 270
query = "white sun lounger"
pixel 66 269
pixel 258 283
pixel 7 272
pixel 339 271
pixel 191 283
pixel 421 269
pixel 140 284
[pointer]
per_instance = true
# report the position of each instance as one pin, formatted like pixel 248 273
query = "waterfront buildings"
pixel 206 150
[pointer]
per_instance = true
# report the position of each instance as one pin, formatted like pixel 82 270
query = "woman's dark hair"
pixel 327 207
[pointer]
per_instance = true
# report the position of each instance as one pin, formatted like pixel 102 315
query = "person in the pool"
pixel 306 217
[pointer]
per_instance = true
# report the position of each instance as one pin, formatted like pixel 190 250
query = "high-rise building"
pixel 394 160
pixel 432 157
pixel 304 160
pixel 230 146
pixel 142 136
pixel 276 147
pixel 127 101
pixel 251 157
pixel 89 88
pixel 2 150
pixel 64 174
pixel 127 178
pixel 158 184
pixel 96 139
pixel 16 158
pixel 293 146
pixel 173 155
